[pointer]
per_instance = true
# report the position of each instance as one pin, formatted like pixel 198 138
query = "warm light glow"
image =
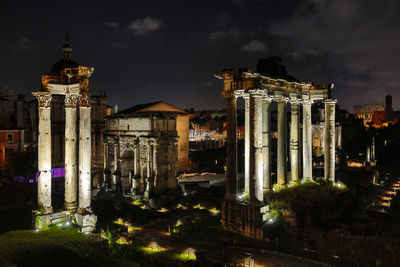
pixel 191 253
pixel 214 211
pixel 163 210
pixel 123 241
pixel 178 223
pixel 154 246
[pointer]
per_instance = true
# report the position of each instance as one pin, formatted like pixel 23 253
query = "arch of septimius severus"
pixel 258 91
pixel 69 79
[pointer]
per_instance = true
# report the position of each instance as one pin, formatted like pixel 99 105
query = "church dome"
pixel 61 65
pixel 66 60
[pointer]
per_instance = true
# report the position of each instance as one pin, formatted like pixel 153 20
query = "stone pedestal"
pixel 42 221
pixel 87 222
pixel 266 140
pixel 70 153
pixel 329 136
pixel 307 140
pixel 243 219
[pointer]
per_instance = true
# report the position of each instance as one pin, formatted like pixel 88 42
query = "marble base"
pixel 87 222
pixel 41 221
pixel 246 220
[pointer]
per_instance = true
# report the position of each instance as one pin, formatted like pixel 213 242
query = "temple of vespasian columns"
pixel 71 80
pixel 259 89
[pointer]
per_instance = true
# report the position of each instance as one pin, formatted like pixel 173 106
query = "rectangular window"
pixel 10 137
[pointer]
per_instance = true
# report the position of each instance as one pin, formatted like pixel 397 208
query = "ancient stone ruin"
pixel 66 78
pixel 259 89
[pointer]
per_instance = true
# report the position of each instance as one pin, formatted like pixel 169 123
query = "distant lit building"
pixel 146 145
pixel 366 112
pixel 377 115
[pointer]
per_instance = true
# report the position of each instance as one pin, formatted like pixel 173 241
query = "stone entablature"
pixel 245 80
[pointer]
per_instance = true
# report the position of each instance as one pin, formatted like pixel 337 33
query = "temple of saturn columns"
pixel 259 90
pixel 71 80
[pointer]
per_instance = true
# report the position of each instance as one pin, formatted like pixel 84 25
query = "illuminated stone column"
pixel 231 149
pixel 246 143
pixel 256 148
pixel 282 140
pixel 266 140
pixel 44 152
pixel 307 138
pixel 329 157
pixel 71 181
pixel 373 149
pixel 135 155
pixel 85 151
pixel 105 163
pixel 114 174
pixel 294 139
pixel 154 162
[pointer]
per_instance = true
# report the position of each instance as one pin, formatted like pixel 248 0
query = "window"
pixel 10 137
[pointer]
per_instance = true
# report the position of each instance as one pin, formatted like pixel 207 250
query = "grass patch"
pixel 53 247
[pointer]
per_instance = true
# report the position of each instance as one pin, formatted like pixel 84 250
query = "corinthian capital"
pixel 84 99
pixel 71 100
pixel 44 99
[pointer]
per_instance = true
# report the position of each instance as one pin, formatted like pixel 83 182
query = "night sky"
pixel 145 51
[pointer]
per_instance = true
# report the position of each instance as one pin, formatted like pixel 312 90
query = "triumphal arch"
pixel 259 89
pixel 71 80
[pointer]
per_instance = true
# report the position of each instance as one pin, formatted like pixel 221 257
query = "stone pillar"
pixel 294 139
pixel 105 163
pixel 266 139
pixel 154 162
pixel 329 157
pixel 71 181
pixel 282 140
pixel 44 153
pixel 256 149
pixel 246 143
pixel 135 155
pixel 84 155
pixel 231 149
pixel 114 174
pixel 368 153
pixel 373 149
pixel 307 138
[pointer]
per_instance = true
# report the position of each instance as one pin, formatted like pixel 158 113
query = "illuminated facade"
pixel 146 146
pixel 259 89
pixel 68 79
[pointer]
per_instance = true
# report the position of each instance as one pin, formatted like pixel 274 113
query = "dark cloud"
pixel 255 46
pixel 24 44
pixel 111 24
pixel 145 25
pixel 360 35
